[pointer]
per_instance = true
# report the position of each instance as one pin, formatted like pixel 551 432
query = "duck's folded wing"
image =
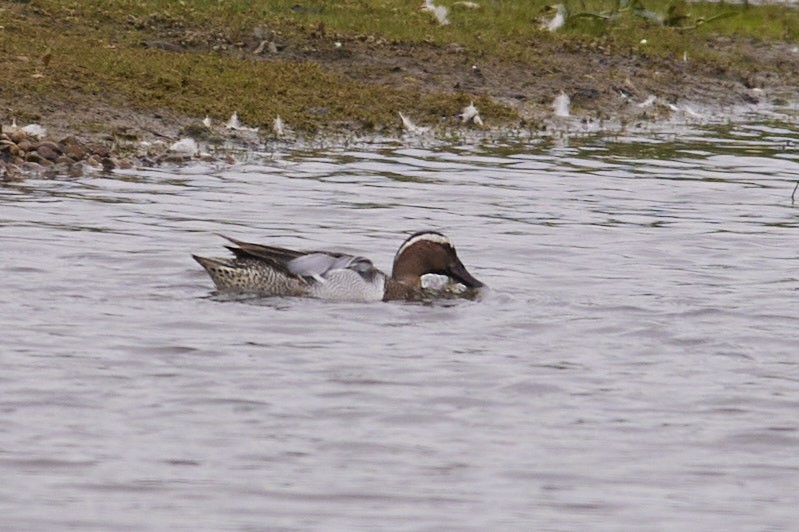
pixel 258 251
pixel 318 265
pixel 307 265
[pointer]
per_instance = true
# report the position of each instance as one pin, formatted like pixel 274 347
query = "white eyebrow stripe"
pixel 436 238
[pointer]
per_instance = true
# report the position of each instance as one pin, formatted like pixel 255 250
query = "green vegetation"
pixel 198 57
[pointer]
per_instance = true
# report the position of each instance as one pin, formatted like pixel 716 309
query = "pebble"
pixel 75 152
pixel 99 149
pixel 34 157
pixel 47 152
pixel 50 145
pixel 108 164
pixel 25 145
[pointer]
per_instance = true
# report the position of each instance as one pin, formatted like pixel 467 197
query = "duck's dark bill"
pixel 460 274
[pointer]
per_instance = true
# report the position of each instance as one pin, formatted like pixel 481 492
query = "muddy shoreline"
pixel 604 83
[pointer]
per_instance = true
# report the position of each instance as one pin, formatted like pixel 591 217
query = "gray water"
pixel 633 364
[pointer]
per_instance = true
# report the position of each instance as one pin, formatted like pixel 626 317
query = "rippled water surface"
pixel 632 366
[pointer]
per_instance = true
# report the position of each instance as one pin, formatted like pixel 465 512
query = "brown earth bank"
pixel 604 84
pixel 601 82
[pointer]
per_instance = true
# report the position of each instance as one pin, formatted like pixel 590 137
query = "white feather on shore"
pixel 561 105
pixel 35 130
pixel 278 126
pixel 649 102
pixel 557 22
pixel 410 127
pixel 471 114
pixel 185 146
pixel 234 124
pixel 440 12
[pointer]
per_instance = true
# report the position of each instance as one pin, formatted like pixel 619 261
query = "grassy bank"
pixel 350 64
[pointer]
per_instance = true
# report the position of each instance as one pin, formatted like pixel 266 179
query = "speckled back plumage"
pixel 252 275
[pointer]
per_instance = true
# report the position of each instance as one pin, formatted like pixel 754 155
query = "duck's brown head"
pixel 429 252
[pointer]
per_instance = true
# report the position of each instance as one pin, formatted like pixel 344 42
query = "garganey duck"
pixel 274 271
